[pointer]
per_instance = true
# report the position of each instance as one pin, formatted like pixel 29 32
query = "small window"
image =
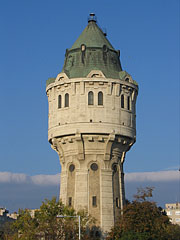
pixel 59 101
pixel 117 202
pixel 94 201
pixel 70 201
pixel 114 167
pixel 122 101
pixel 97 234
pixel 66 100
pixel 90 98
pixel 100 98
pixel 128 103
pixel 169 213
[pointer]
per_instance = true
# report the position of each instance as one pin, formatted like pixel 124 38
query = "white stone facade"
pixel 84 132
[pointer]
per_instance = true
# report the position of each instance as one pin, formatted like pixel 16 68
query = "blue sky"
pixel 34 37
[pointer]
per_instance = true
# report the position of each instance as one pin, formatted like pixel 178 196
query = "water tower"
pixel 92 124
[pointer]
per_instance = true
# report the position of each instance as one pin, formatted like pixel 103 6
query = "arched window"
pixel 128 103
pixel 100 98
pixel 90 98
pixel 59 101
pixel 122 101
pixel 66 100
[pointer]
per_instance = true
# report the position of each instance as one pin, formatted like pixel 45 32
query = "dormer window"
pixel 90 98
pixel 66 100
pixel 100 98
pixel 83 47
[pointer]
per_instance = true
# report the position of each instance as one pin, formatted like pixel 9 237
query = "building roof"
pixel 92 36
pixel 92 51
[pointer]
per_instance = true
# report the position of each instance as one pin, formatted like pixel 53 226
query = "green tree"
pixel 142 219
pixel 173 232
pixel 25 226
pixel 46 224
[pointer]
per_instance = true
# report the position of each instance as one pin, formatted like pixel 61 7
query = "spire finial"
pixel 92 17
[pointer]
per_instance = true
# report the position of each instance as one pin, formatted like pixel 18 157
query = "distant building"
pixel 5 217
pixel 173 212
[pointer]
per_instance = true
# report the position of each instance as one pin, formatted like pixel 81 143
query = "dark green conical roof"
pixel 92 36
pixel 92 51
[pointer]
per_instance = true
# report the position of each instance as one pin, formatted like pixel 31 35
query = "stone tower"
pixel 92 124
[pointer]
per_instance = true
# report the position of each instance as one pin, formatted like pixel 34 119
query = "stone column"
pixel 81 190
pixel 107 215
pixel 121 182
pixel 63 187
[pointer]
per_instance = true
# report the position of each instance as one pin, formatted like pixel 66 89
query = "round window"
pixel 94 166
pixel 71 168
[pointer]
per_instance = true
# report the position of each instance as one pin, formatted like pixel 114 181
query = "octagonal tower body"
pixel 92 124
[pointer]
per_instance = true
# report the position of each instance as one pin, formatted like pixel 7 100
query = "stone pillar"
pixel 81 190
pixel 107 214
pixel 63 187
pixel 121 187
pixel 121 182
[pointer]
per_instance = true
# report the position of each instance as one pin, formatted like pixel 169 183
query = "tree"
pixel 45 223
pixel 142 219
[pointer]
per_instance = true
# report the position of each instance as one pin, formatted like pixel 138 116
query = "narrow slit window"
pixel 59 101
pixel 66 100
pixel 122 101
pixel 128 103
pixel 70 201
pixel 94 202
pixel 117 202
pixel 90 98
pixel 100 98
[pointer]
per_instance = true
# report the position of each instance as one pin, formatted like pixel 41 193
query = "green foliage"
pixel 173 232
pixel 135 236
pixel 143 194
pixel 142 219
pixel 46 224
pixel 25 226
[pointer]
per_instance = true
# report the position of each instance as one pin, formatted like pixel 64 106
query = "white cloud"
pixel 161 176
pixel 8 177
pixel 171 168
pixel 19 190
pixel 46 179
